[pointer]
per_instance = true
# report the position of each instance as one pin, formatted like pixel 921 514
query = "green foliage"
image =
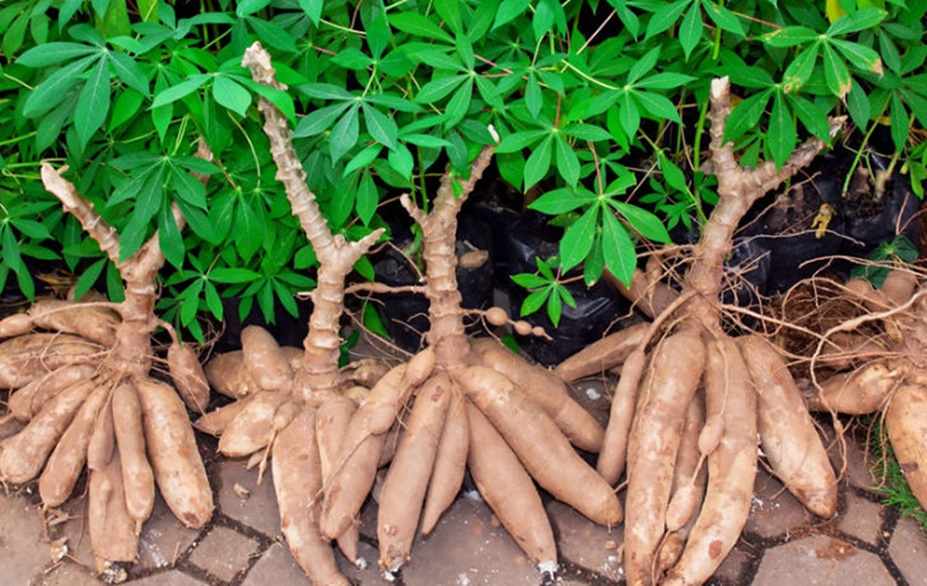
pixel 899 252
pixel 600 107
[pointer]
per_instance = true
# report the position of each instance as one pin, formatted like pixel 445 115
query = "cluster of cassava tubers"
pixel 80 374
pixel 683 426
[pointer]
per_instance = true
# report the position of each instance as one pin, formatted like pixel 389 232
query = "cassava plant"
pixel 685 419
pixel 474 411
pixel 81 374
pixel 295 408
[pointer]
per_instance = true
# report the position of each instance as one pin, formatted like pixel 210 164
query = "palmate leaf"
pixel 51 53
pixel 578 239
pixel 93 103
pixel 836 73
pixel 562 200
pixel 344 134
pixel 618 249
pixel 54 89
pixel 538 162
pixel 690 31
pixel 230 94
pixel 781 136
pixel 380 126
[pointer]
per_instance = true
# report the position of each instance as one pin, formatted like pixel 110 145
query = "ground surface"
pixel 866 544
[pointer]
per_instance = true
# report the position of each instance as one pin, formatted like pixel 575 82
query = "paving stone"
pixel 163 539
pixel 733 566
pixel 585 543
pixel 858 461
pixel 468 548
pixel 862 519
pixel 774 511
pixel 170 578
pixel 277 566
pixel 66 574
pixel 258 510
pixel 23 552
pixel 821 559
pixel 224 553
pixel 908 549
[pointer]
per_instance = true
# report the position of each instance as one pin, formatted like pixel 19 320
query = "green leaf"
pixel 690 31
pixel 643 65
pixel 89 277
pixel 93 103
pixel 362 159
pixel 836 73
pixel 644 223
pixel 577 239
pixel 436 89
pixel 724 18
pixel 425 140
pixel 520 140
pixel 529 280
pixel 180 90
pixel 125 108
pixel 401 160
pixel 189 189
pixel 368 198
pixel 313 9
pixel 213 301
pixel 246 7
pixel 51 53
pixel 538 162
pixel 231 95
pixel 864 18
pixel 510 10
pixel 272 34
pixel 325 91
pixel 458 105
pixel 534 301
pixel 555 306
pixel 618 249
pixel 781 136
pixel 900 127
pixel 418 25
pixel 665 17
pixel 534 100
pixel 813 118
pixel 352 58
pixel 54 88
pixel 320 120
pixel 594 264
pixel 746 115
pixel 169 237
pixel 544 16
pixel 858 105
pixel 672 175
pixel 660 107
pixel 233 275
pixel 629 114
pixel 380 126
pixel 789 36
pixel 344 134
pixel 449 10
pixel 250 230
pixel 133 235
pixel 801 68
pixel 562 200
pixel 586 132
pixel 860 56
pixel 567 161
pixel 130 72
